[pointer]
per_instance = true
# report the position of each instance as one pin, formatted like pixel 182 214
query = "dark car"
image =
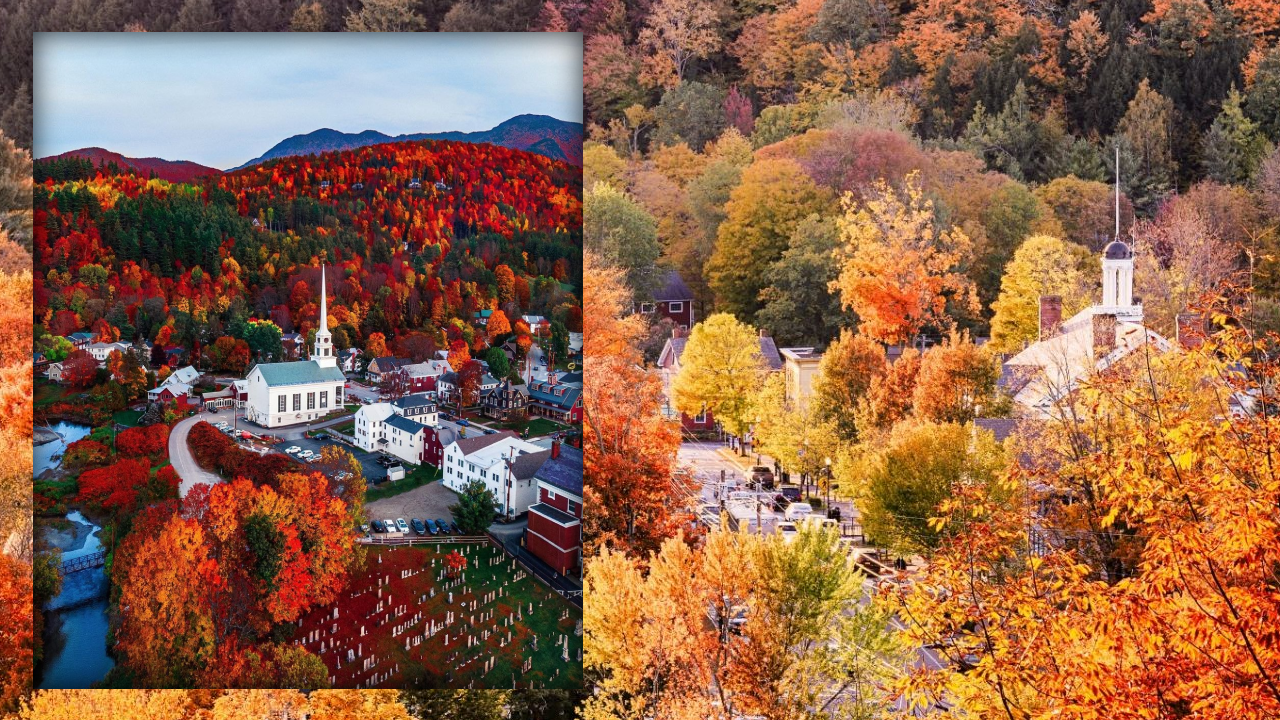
pixel 431 525
pixel 444 525
pixel 378 526
pixel 762 477
pixel 489 431
pixel 417 526
pixel 464 423
pixel 791 493
pixel 456 530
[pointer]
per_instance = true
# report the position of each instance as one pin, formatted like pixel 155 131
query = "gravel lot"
pixel 429 501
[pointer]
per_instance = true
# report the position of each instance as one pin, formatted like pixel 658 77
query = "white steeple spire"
pixel 323 354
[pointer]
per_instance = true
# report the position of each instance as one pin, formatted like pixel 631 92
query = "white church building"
pixel 290 393
pixel 1068 352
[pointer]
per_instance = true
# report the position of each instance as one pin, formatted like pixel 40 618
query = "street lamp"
pixel 827 462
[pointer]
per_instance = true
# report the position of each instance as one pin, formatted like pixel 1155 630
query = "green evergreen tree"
pixel 475 509
pixel 1233 146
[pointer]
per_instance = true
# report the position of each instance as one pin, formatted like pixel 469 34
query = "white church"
pixel 289 393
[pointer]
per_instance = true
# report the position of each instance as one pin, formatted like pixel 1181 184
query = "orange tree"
pixel 1151 591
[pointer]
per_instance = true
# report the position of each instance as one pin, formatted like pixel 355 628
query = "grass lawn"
pixel 420 476
pixel 351 407
pixel 537 426
pixel 345 428
pixel 387 613
pixel 127 417
pixel 47 393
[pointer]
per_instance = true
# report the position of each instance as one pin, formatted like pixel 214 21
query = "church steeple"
pixel 323 352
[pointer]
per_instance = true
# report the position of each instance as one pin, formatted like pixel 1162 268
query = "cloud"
pixel 220 99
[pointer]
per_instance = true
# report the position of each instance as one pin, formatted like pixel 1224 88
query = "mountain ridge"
pixel 179 171
pixel 543 134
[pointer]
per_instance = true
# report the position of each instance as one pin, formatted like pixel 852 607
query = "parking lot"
pixel 429 501
pixel 368 461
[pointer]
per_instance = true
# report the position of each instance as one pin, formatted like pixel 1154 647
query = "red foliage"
pixel 139 441
pixel 115 487
pixel 79 370
pixel 16 635
pixel 86 453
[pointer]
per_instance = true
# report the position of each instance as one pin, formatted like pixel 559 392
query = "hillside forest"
pixel 416 238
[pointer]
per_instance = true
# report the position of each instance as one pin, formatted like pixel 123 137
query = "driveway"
pixel 180 455
pixel 429 501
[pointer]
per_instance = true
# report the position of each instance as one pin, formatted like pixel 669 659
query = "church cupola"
pixel 323 351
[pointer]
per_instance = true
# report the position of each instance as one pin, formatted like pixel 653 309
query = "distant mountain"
pixel 535 133
pixel 171 170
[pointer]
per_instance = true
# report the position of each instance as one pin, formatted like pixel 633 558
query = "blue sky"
pixel 221 99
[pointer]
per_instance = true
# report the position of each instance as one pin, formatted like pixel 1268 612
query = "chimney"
pixel 676 333
pixel 1190 330
pixel 555 449
pixel 1050 315
pixel 1104 334
pixel 764 333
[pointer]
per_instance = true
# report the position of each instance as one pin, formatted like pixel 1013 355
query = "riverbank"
pixel 41 435
pixel 70 538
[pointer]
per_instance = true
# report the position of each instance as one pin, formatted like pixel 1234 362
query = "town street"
pixel 180 455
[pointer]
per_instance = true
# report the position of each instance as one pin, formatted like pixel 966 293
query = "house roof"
pixel 470 445
pixel 768 350
pixel 1002 428
pixel 80 336
pixel 187 374
pixel 376 412
pixel 390 363
pixel 419 400
pixel 556 514
pixel 564 472
pixel 673 288
pixel 403 423
pixel 444 434
pixel 544 393
pixel 450 378
pixel 570 378
pixel 298 373
pixel 526 465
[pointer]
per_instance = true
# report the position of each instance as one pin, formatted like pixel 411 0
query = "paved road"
pixel 180 455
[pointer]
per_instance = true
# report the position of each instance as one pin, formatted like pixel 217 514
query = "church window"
pixel 311 401
pixel 282 402
pixel 297 402
pixel 324 398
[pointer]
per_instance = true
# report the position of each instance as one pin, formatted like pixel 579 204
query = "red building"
pixel 554 533
pixel 673 300
pixel 435 440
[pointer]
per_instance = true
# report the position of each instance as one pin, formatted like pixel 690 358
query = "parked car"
pixel 305 454
pixel 444 525
pixel 418 526
pixel 798 511
pixel 489 431
pixel 762 477
pixel 431 525
pixel 454 526
pixel 464 423
pixel 378 526
pixel 401 525
pixel 364 529
pixel 791 493
pixel 391 525
pixel 322 436
pixel 787 530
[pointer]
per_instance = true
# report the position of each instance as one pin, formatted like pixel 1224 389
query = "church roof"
pixel 298 373
pixel 1117 250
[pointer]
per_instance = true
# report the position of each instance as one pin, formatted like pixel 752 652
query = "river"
pixel 75 633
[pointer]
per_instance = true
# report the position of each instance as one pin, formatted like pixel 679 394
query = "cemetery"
pixel 450 614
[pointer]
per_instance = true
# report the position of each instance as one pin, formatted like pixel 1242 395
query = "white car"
pixel 292 450
pixel 401 525
pixel 787 530
pixel 305 454
pixel 391 525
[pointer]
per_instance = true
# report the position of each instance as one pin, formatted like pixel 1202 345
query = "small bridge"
pixel 84 562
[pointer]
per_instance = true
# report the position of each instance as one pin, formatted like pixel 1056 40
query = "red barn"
pixel 554 533
pixel 673 300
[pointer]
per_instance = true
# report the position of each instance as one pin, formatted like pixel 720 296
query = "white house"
pixel 100 351
pixel 350 360
pixel 177 384
pixel 503 462
pixel 289 393
pixel 397 427
pixel 54 372
pixel 447 386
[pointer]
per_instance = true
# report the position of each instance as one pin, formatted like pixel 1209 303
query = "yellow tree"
pixel 899 268
pixel 1042 265
pixel 109 705
pixel 1153 496
pixel 721 370
pixel 676 33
